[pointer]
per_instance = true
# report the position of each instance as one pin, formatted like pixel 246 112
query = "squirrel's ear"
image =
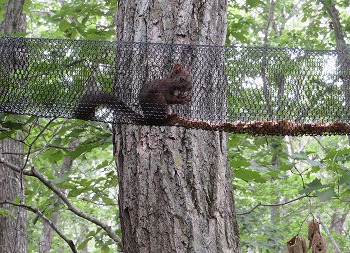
pixel 176 69
pixel 187 68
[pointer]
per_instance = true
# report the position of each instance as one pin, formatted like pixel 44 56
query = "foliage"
pixel 90 180
pixel 295 23
pixel 79 19
pixel 269 172
pixel 314 177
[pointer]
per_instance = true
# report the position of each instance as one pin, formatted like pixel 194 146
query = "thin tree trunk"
pixel 175 190
pixel 343 60
pixel 47 232
pixel 338 221
pixel 12 226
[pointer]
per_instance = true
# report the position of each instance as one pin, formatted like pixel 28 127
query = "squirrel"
pixel 155 98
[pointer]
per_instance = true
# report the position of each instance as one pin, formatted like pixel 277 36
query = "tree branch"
pixel 35 139
pixel 34 173
pixel 272 205
pixel 328 234
pixel 338 31
pixel 45 219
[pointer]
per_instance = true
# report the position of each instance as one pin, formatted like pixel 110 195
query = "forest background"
pixel 280 183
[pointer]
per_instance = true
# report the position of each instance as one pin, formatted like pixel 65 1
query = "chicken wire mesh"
pixel 256 90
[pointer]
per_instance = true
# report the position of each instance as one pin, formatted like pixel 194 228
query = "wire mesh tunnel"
pixel 275 91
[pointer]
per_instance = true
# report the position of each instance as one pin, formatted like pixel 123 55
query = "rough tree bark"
pixel 47 232
pixel 14 19
pixel 175 191
pixel 13 226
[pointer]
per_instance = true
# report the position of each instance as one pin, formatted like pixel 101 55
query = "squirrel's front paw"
pixel 189 97
pixel 185 98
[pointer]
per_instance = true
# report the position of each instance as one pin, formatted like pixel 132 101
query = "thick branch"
pixel 45 219
pixel 338 31
pixel 34 173
pixel 264 127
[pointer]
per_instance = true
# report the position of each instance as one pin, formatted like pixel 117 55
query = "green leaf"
pixel 85 182
pixel 345 179
pixel 76 132
pixel 84 243
pixel 12 125
pixel 304 19
pixel 53 155
pixel 104 164
pixel 87 147
pixel 258 167
pixel 300 156
pixel 64 25
pixel 314 162
pixel 336 153
pixel 249 175
pixel 286 166
pixel 254 3
pixel 239 163
pixel 313 186
pixel 105 248
pixel 76 192
pixel 325 194
pixel 108 201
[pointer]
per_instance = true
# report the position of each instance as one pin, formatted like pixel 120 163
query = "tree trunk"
pixel 12 226
pixel 14 19
pixel 343 59
pixel 47 232
pixel 175 191
pixel 338 221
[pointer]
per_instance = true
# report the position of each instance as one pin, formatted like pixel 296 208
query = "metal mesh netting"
pixel 236 89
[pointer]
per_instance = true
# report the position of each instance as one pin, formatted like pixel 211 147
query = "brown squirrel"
pixel 155 98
